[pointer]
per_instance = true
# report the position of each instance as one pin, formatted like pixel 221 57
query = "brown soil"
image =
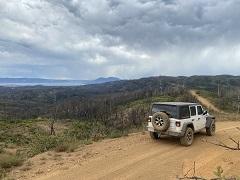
pixel 138 157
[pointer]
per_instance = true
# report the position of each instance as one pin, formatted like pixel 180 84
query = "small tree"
pixel 51 125
pixel 219 173
pixel 53 115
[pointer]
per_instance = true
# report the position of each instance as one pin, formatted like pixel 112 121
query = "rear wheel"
pixel 211 130
pixel 188 137
pixel 155 135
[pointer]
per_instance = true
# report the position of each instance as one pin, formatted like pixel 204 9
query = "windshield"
pixel 170 109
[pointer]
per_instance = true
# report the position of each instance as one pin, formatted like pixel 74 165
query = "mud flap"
pixel 209 121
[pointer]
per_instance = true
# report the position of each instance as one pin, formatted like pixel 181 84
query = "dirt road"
pixel 138 157
pixel 205 101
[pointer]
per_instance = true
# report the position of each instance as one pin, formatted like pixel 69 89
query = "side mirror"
pixel 205 112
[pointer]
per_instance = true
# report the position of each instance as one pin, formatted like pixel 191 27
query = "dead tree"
pixel 221 144
pixel 235 142
pixel 218 90
pixel 54 116
pixel 218 173
pixel 52 130
pixel 193 177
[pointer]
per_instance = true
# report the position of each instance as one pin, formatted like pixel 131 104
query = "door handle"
pixel 192 119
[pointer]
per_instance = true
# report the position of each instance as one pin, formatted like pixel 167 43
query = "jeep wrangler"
pixel 179 119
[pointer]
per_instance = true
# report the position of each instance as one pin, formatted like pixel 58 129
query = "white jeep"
pixel 179 119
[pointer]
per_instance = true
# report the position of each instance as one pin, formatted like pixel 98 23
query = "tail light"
pixel 178 123
pixel 149 119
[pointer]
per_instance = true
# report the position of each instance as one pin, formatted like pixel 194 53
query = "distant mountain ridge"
pixel 52 82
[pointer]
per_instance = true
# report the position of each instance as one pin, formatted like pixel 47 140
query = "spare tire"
pixel 160 121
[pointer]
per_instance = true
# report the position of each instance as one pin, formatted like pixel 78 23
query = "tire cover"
pixel 160 121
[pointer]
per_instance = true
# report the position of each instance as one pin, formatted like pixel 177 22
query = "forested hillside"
pixel 101 100
pixel 106 102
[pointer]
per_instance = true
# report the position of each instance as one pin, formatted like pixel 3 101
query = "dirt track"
pixel 205 101
pixel 139 157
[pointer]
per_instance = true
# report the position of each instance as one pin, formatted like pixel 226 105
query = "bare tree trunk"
pixel 219 93
pixel 52 130
pixel 53 120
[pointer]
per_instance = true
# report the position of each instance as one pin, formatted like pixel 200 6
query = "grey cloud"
pixel 88 38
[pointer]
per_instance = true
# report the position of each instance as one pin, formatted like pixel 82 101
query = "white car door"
pixel 201 119
pixel 194 117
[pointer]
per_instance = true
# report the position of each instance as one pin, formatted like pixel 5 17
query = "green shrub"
pixel 86 141
pixel 117 133
pixel 8 161
pixel 219 174
pixel 43 143
pixel 83 130
pixel 80 130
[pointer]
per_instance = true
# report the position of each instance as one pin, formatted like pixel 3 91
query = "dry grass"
pixel 8 161
pixel 66 147
pixel 26 168
pixel 227 117
pixel 43 158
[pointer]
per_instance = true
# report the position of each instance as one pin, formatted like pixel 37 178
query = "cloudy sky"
pixel 85 39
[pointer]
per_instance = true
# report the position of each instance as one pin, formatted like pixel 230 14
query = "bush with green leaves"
pixel 220 176
pixel 43 143
pixel 117 133
pixel 83 130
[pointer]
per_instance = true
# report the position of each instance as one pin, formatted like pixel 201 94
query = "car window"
pixel 193 111
pixel 184 112
pixel 170 109
pixel 199 110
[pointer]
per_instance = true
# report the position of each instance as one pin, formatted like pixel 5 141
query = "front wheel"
pixel 211 130
pixel 188 137
pixel 154 135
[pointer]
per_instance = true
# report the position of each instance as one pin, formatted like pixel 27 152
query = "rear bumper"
pixel 170 133
pixel 176 134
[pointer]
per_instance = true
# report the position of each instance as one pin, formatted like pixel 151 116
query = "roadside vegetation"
pixel 218 175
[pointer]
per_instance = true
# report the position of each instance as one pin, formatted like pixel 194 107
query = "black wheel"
pixel 160 121
pixel 211 130
pixel 188 137
pixel 155 135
